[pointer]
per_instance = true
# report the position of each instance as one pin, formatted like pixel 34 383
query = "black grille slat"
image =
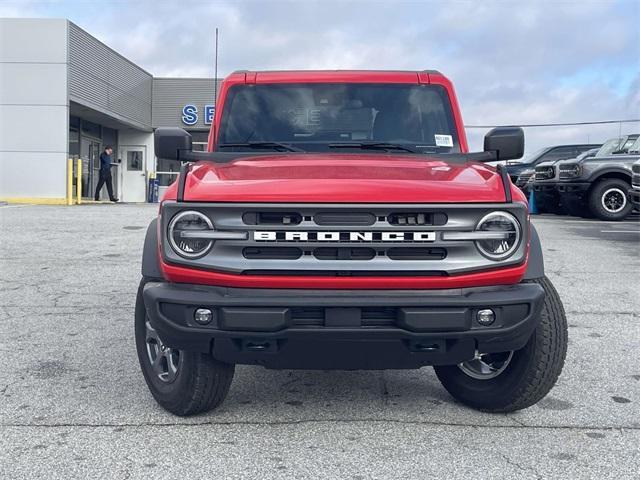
pixel 417 218
pixel 341 219
pixel 416 253
pixel 272 253
pixel 272 218
pixel 344 253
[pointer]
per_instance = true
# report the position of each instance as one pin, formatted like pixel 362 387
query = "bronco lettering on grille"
pixel 300 236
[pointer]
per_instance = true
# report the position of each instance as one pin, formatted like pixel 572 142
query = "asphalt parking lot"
pixel 73 403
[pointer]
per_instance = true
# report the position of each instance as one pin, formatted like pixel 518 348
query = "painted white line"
pixel 620 231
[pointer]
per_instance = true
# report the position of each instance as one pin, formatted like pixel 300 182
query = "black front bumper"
pixel 343 329
pixel 573 190
pixel 547 191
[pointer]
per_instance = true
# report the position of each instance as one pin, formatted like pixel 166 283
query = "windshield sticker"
pixel 444 140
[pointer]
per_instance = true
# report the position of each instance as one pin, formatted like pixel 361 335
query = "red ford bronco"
pixel 338 221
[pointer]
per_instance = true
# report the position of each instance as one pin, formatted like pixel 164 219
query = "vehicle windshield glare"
pixel 609 147
pixel 587 154
pixel 531 157
pixel 635 146
pixel 319 117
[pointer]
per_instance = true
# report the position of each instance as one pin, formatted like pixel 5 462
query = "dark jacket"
pixel 105 162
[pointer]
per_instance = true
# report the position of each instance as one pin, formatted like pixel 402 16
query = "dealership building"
pixel 64 94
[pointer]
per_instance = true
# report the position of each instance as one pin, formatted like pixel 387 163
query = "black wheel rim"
pixel 614 200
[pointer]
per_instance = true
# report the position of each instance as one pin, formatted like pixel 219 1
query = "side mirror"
pixel 506 142
pixel 172 143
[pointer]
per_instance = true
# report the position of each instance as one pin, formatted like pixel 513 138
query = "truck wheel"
pixel 184 383
pixel 608 199
pixel 509 381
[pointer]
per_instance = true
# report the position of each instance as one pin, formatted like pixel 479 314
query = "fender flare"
pixel 535 267
pixel 598 174
pixel 150 263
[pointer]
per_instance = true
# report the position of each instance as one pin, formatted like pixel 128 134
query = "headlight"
pixel 504 245
pixel 545 173
pixel 574 170
pixel 179 238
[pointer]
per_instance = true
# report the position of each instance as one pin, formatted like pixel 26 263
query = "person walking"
pixel 105 174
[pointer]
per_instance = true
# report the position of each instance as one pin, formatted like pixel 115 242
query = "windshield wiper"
pixel 262 145
pixel 373 146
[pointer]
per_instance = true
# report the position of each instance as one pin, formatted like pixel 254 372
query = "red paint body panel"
pixel 343 178
pixel 503 276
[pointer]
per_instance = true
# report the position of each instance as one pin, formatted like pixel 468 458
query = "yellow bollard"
pixel 79 181
pixel 70 181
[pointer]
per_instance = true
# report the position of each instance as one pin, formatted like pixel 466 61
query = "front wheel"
pixel 608 199
pixel 510 381
pixel 182 382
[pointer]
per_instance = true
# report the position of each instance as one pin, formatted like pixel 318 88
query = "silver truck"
pixel 545 181
pixel 598 186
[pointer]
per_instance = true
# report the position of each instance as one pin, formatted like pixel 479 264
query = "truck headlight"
pixel 508 233
pixel 180 228
pixel 572 170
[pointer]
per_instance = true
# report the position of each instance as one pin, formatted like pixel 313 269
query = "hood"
pixel 342 178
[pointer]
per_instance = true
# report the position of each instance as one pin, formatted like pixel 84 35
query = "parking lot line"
pixel 619 231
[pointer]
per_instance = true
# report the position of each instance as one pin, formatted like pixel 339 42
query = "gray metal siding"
pixel 171 94
pixel 102 79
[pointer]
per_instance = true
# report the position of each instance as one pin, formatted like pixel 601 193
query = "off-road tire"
pixel 596 199
pixel 531 373
pixel 201 384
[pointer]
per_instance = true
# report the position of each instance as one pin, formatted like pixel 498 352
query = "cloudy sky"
pixel 513 62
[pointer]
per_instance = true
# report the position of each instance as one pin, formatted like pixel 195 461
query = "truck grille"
pixel 545 173
pixel 341 240
pixel 635 178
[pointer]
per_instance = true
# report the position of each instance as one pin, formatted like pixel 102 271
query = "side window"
pixel 560 153
pixel 583 149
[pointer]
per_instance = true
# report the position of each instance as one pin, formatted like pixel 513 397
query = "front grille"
pixel 545 173
pixel 635 180
pixel 635 168
pixel 343 240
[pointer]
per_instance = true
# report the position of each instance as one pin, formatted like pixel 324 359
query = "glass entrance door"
pixel 90 154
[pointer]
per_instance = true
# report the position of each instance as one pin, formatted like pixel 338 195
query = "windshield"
pixel 532 157
pixel 635 148
pixel 609 147
pixel 587 154
pixel 319 117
